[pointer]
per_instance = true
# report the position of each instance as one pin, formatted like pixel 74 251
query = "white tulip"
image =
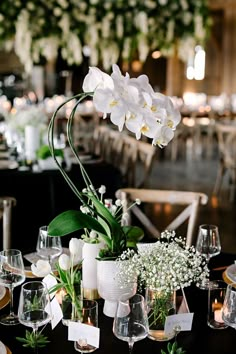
pixel 75 247
pixel 64 261
pixel 41 268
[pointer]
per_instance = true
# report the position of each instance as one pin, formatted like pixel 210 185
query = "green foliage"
pixel 33 340
pixel 44 152
pixel 173 349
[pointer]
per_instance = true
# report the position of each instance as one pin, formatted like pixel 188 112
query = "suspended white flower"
pixel 41 268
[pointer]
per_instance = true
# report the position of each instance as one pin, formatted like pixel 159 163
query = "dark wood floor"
pixel 199 174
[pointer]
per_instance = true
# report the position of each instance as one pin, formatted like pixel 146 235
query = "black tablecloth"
pixel 42 196
pixel 200 340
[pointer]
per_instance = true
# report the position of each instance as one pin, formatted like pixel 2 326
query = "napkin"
pixel 3 349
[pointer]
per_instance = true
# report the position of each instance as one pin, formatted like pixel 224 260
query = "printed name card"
pixel 55 311
pixel 77 330
pixel 181 321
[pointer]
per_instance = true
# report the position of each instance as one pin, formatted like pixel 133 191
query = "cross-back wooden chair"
pixel 226 136
pixel 190 202
pixel 6 205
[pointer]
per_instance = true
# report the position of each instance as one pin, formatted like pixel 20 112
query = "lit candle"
pixel 218 316
pixel 216 305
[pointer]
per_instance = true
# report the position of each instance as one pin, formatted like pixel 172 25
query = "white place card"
pixel 77 330
pixel 183 321
pixel 55 312
pixel 50 281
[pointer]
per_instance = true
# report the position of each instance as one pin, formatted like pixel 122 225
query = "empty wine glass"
pixel 208 244
pixel 131 321
pixel 229 306
pixel 48 247
pixel 12 274
pixel 34 306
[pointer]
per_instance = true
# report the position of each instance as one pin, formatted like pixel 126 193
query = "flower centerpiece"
pixel 163 268
pixel 130 103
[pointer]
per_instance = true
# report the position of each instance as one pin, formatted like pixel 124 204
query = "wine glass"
pixel 208 244
pixel 131 321
pixel 229 306
pixel 12 274
pixel 48 247
pixel 34 306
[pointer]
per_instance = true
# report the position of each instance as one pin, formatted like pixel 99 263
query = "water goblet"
pixel 48 247
pixel 89 316
pixel 131 321
pixel 229 306
pixel 12 274
pixel 34 306
pixel 208 244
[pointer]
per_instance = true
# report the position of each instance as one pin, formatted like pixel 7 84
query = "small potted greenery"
pixel 45 159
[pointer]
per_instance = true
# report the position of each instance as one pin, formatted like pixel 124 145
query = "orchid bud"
pixel 41 268
pixel 102 189
pixel 64 261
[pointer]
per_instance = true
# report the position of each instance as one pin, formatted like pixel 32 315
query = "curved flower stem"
pixel 52 146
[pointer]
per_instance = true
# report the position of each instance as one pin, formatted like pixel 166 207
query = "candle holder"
pixel 216 295
pixel 89 317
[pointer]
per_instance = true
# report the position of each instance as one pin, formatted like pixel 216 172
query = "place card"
pixel 55 311
pixel 181 321
pixel 77 330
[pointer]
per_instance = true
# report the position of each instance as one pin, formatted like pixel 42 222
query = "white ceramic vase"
pixel 32 141
pixel 90 252
pixel 109 288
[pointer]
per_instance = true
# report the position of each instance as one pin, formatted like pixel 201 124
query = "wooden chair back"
pixel 226 136
pixel 190 202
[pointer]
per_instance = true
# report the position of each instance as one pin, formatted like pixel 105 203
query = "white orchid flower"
pixel 96 79
pixel 41 268
pixel 75 247
pixel 163 136
pixel 64 262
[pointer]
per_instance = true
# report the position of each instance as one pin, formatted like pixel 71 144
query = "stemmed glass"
pixel 131 321
pixel 34 306
pixel 48 247
pixel 229 306
pixel 12 274
pixel 208 244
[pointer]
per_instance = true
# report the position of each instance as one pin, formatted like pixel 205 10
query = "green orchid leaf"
pixel 133 233
pixel 71 221
pixel 118 235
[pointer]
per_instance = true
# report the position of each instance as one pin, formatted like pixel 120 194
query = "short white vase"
pixel 110 288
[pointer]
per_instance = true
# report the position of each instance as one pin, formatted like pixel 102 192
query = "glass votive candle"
pixel 216 295
pixel 89 317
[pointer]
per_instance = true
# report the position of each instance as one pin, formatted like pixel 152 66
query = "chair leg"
pixel 220 173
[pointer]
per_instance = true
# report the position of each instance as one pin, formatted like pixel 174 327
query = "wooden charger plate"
pixel 5 300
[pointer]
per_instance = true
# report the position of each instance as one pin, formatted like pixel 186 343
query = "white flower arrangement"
pixel 166 265
pixel 124 26
pixel 30 115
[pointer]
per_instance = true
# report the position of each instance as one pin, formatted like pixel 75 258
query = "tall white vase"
pixel 90 252
pixel 109 288
pixel 32 141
